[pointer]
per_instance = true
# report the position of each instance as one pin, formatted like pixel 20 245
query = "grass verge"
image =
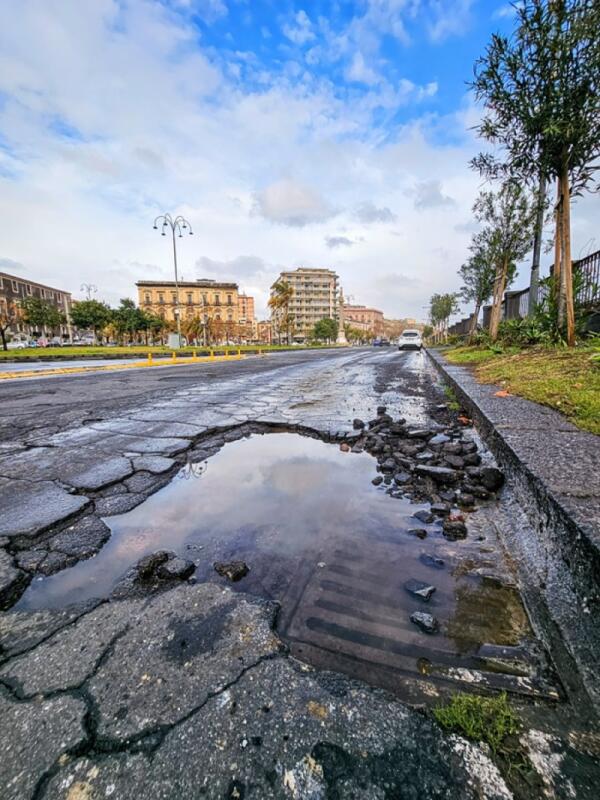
pixel 567 380
pixel 139 350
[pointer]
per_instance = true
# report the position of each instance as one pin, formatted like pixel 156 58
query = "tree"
pixel 128 318
pixel 325 330
pixel 279 303
pixel 40 314
pixel 8 318
pixel 541 91
pixel 441 307
pixel 508 219
pixel 427 331
pixel 91 314
pixel 478 278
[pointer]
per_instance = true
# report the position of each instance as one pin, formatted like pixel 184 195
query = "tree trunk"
pixel 4 342
pixel 567 265
pixel 537 247
pixel 558 259
pixel 474 319
pixel 499 287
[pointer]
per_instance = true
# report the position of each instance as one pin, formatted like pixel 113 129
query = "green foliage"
pixel 441 306
pixel 483 719
pixel 39 313
pixel 427 331
pixel 325 330
pixel 91 314
pixel 540 93
pixel 451 399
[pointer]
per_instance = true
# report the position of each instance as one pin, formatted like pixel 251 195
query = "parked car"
pixel 410 340
pixel 18 344
pixel 381 342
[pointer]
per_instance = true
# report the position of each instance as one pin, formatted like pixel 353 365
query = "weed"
pixel 452 402
pixel 484 719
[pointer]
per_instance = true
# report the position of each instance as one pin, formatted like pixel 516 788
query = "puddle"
pixel 319 538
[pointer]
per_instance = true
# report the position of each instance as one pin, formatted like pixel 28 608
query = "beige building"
pixel 209 309
pixel 315 297
pixel 369 320
pixel 264 334
pixel 245 308
pixel 202 298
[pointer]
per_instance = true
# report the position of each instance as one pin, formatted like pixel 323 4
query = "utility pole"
pixel 177 226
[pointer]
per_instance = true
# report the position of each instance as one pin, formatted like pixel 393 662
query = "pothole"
pixel 348 562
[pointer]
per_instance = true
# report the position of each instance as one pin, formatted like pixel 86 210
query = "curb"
pixel 553 470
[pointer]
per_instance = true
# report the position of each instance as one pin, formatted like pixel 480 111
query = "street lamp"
pixel 177 226
pixel 89 289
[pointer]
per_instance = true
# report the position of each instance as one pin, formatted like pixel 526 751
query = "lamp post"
pixel 89 289
pixel 177 226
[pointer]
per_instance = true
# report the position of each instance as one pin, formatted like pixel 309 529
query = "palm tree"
pixel 279 303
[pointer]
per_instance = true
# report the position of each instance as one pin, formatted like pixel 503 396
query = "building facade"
pixel 14 289
pixel 212 305
pixel 264 332
pixel 245 308
pixel 315 297
pixel 369 320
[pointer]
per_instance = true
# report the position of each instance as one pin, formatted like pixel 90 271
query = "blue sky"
pixel 290 134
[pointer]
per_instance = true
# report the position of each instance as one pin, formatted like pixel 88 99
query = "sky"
pixel 318 134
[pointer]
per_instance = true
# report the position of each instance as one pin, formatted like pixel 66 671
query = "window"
pixel 29 289
pixel 174 297
pixel 230 316
pixel 161 297
pixel 190 298
pixel 205 299
pixel 15 286
pixel 147 297
pixel 218 317
pixel 229 300
pixel 217 300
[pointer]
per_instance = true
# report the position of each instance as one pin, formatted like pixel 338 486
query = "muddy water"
pixel 318 537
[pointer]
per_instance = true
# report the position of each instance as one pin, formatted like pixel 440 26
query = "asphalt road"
pixel 190 692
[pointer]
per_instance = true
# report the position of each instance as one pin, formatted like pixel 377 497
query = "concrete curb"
pixel 553 469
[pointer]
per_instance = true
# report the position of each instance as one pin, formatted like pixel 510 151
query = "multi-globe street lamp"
pixel 177 226
pixel 89 289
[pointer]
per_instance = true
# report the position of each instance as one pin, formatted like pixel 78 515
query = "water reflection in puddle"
pixel 323 541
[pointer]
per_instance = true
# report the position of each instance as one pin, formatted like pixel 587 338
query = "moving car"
pixel 381 342
pixel 410 340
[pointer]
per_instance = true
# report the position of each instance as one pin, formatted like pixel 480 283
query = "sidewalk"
pixel 554 469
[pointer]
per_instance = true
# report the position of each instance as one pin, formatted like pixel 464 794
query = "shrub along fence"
pixel 516 303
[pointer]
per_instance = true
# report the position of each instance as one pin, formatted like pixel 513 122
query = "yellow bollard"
pixel 194 356
pixel 149 359
pixel 239 355
pixel 212 355
pixel 173 356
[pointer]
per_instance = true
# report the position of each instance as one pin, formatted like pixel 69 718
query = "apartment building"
pixel 14 289
pixel 245 308
pixel 315 296
pixel 369 320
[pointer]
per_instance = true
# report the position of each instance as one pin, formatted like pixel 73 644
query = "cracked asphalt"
pixel 190 692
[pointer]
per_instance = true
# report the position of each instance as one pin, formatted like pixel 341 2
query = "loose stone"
pixel 420 533
pixel 233 570
pixel 438 474
pixel 431 561
pixel 377 480
pixel 358 424
pixel 426 622
pixel 453 529
pixel 424 516
pixel 491 478
pixel 441 509
pixel 419 589
pixel 439 438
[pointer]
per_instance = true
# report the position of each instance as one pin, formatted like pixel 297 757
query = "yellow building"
pixel 214 305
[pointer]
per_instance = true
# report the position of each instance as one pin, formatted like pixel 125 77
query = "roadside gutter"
pixel 553 469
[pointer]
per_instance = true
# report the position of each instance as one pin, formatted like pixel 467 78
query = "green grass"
pixel 116 352
pixel 483 719
pixel 566 379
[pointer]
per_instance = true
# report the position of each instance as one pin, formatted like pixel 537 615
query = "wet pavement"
pixel 168 692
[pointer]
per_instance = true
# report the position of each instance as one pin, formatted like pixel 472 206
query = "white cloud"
pixel 428 194
pixel 288 202
pixel 300 32
pixel 359 72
